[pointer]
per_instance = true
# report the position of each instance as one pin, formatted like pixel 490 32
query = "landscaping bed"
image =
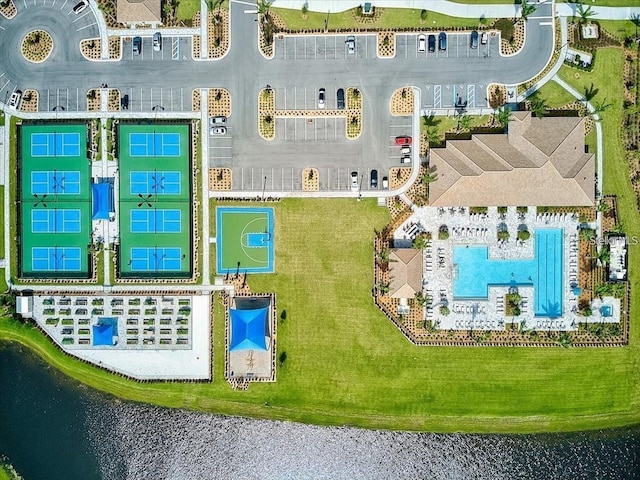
pixel 219 102
pixel 37 45
pixel 402 102
pixel 310 180
pixel 219 179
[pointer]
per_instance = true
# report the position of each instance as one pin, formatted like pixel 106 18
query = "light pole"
pixel 264 186
pixel 360 187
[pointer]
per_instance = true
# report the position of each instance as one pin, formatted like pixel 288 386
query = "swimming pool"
pixel 476 272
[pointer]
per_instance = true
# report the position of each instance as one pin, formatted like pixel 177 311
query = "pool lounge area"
pixel 475 272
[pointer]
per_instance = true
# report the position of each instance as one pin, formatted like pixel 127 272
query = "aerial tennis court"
pixel 155 202
pixel 244 240
pixel 54 189
pixel 55 144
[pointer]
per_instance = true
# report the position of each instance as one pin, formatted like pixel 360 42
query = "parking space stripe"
pixel 86 26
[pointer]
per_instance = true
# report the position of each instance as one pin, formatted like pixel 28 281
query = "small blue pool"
pixel 606 310
pixel 475 272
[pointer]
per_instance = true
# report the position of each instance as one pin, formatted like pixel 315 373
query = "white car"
pixel 422 43
pixel 354 181
pixel 14 101
pixel 321 98
pixel 157 42
pixel 80 6
pixel 351 44
pixel 218 130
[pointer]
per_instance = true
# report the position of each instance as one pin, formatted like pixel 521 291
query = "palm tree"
pixel 587 234
pixel 635 19
pixel 464 122
pixel 526 9
pixel 589 93
pixel 383 288
pixel 565 340
pixel 585 14
pixel 430 120
pixel 599 108
pixel 419 243
pixel 304 9
pixel 538 107
pixel 213 4
pixel 603 207
pixel 604 255
pixel 429 177
pixel 432 134
pixel 502 116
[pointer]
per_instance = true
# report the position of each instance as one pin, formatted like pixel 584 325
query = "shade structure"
pixel 248 329
pixel 102 200
pixel 103 334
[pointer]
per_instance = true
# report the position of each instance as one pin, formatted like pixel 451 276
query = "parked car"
pixel 137 45
pixel 340 98
pixel 80 6
pixel 403 140
pixel 354 181
pixel 385 183
pixel 405 159
pixel 422 43
pixel 484 38
pixel 214 121
pixel 321 99
pixel 157 42
pixel 474 39
pixel 14 101
pixel 442 41
pixel 405 150
pixel 374 179
pixel 432 43
pixel 124 102
pixel 351 44
pixel 218 130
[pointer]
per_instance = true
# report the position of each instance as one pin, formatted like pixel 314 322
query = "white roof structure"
pixel 618 258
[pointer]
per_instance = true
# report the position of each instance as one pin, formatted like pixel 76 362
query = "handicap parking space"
pixel 324 47
pixel 454 96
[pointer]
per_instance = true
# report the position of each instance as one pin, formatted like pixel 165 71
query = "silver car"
pixel 351 44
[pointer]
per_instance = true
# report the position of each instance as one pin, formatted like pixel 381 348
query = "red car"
pixel 404 140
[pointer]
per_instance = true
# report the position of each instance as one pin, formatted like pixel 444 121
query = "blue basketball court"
pixel 153 182
pixel 156 259
pixel 56 182
pixel 58 220
pixel 52 144
pixel 56 259
pixel 154 144
pixel 156 221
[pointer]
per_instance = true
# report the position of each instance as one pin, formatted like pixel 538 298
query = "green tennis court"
pixel 244 238
pixel 54 189
pixel 155 201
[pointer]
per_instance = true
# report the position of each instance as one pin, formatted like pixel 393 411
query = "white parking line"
pixel 87 26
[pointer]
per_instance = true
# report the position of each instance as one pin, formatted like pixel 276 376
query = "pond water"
pixel 53 428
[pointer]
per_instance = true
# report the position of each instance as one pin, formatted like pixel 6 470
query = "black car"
pixel 442 41
pixel 432 43
pixel 474 39
pixel 374 178
pixel 340 98
pixel 124 103
pixel 137 45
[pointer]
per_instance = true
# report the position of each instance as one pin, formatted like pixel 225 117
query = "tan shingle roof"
pixel 541 161
pixel 405 270
pixel 138 11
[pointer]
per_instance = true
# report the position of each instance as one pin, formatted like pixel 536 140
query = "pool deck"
pixel 481 229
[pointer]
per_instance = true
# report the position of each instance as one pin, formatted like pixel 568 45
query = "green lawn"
pixel 619 28
pixel 555 96
pixel 604 3
pixel 187 8
pixel 391 18
pixel 347 364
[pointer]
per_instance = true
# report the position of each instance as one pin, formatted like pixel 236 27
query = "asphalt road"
pixel 300 65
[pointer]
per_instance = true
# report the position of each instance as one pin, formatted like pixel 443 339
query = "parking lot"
pixel 458 46
pixel 324 47
pixel 173 48
pixel 221 149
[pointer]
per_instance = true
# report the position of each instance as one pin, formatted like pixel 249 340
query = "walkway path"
pixel 456 9
pixel 204 185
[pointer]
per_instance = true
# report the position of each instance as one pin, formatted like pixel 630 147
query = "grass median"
pixel 347 364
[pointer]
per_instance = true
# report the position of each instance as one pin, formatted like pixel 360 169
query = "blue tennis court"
pixel 55 182
pixel 153 259
pixel 154 144
pixel 52 144
pixel 58 220
pixel 52 259
pixel 156 221
pixel 154 182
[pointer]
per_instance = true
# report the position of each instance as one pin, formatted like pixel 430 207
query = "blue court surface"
pixel 58 220
pixel 156 221
pixel 156 259
pixel 48 182
pixel 52 144
pixel 475 272
pixel 154 144
pixel 56 259
pixel 152 182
